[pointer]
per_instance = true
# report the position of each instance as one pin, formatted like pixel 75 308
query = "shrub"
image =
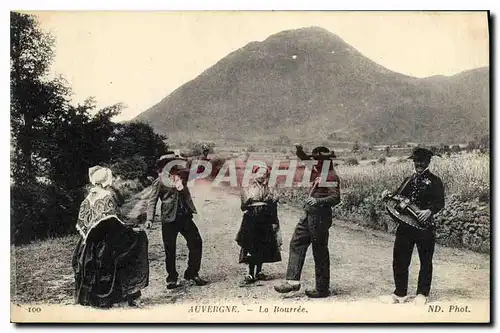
pixel 251 149
pixel 382 160
pixel 130 168
pixel 194 148
pixel 456 149
pixel 39 211
pixel 351 161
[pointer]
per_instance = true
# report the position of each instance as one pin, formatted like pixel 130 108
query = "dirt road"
pixel 360 261
pixel 360 264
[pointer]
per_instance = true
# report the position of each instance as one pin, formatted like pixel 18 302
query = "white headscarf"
pixel 100 176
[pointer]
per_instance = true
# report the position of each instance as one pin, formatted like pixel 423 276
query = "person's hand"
pixel 385 193
pixel 311 201
pixel 275 227
pixel 148 224
pixel 424 215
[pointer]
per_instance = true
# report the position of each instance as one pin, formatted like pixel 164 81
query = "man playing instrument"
pixel 426 191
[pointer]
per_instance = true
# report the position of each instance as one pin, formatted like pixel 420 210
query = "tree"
pixel 131 139
pixel 33 96
pixel 356 147
pixel 74 140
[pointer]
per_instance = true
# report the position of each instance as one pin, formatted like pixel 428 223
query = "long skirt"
pixel 258 240
pixel 111 266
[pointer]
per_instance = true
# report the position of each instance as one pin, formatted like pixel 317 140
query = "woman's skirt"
pixel 258 240
pixel 111 265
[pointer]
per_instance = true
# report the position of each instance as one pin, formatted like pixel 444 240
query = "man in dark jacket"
pixel 177 209
pixel 426 191
pixel 313 227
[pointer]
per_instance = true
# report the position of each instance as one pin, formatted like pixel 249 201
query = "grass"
pixel 42 270
pixel 464 175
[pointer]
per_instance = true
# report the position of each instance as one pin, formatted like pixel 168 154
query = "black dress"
pixel 111 265
pixel 256 236
pixel 110 261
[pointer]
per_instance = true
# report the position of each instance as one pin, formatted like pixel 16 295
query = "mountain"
pixel 309 83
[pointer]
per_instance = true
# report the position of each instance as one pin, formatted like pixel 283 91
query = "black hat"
pixel 169 156
pixel 323 153
pixel 422 154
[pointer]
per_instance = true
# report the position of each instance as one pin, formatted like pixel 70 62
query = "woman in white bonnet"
pixel 110 261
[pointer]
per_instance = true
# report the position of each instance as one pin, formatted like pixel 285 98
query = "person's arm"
pixel 153 200
pixel 333 197
pixel 301 154
pixel 437 200
pixel 245 199
pixel 117 196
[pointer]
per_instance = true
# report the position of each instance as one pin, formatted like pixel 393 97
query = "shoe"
pixel 198 280
pixel 395 299
pixel 420 300
pixel 248 280
pixel 286 287
pixel 317 294
pixel 135 303
pixel 261 276
pixel 172 284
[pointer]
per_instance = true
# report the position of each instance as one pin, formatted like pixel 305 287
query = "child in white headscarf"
pixel 257 235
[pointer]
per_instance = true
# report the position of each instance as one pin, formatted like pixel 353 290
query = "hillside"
pixel 309 83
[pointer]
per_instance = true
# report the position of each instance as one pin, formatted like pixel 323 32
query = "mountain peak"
pixel 308 82
pixel 312 35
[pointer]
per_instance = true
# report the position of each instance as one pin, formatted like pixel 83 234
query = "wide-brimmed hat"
pixel 323 153
pixel 422 154
pixel 168 157
pixel 99 175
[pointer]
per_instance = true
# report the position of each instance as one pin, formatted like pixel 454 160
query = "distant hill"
pixel 309 83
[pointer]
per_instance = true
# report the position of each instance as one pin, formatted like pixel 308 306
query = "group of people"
pixel 111 260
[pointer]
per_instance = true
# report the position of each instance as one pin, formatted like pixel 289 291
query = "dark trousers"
pixel 312 229
pixel 406 238
pixel 187 228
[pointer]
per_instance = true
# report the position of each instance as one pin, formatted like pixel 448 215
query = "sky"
pixel 138 58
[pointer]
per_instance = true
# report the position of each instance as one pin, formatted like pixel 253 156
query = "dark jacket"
pixel 169 197
pixel 425 190
pixel 326 196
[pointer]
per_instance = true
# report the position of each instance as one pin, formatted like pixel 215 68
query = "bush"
pixel 351 161
pixel 456 149
pixel 194 148
pixel 382 160
pixel 283 140
pixel 39 211
pixel 251 149
pixel 130 168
